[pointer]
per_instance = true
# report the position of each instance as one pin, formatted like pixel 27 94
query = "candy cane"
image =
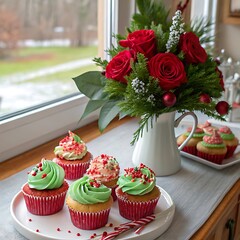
pixel 141 223
pixel 126 226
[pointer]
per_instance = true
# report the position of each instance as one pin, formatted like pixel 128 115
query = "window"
pixel 19 133
pixel 207 10
pixel 43 44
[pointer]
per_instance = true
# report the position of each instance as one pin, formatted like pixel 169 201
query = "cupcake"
pixel 89 203
pixel 45 191
pixel 212 148
pixel 137 193
pixel 73 156
pixel 204 125
pixel 229 139
pixel 209 130
pixel 190 147
pixel 207 127
pixel 105 169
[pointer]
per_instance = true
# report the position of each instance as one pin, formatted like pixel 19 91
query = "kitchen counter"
pixel 200 193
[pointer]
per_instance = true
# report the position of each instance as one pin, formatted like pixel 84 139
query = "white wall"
pixel 228 35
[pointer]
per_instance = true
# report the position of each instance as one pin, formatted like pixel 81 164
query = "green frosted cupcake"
pixel 137 193
pixel 46 189
pixel 89 203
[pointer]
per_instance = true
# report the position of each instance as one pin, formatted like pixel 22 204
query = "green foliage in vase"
pixel 158 67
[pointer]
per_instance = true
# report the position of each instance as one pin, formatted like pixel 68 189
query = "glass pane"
pixel 43 45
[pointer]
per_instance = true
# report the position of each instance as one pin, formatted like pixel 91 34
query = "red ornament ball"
pixel 169 99
pixel 205 98
pixel 222 107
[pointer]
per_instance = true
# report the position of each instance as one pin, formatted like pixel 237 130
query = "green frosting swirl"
pixel 195 135
pixel 225 136
pixel 137 185
pixel 88 191
pixel 58 151
pixel 46 175
pixel 222 145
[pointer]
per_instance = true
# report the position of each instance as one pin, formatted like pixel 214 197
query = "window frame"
pixel 30 129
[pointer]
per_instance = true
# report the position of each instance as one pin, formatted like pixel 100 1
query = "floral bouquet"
pixel 155 69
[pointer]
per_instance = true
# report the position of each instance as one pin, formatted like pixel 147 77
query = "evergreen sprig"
pixel 151 12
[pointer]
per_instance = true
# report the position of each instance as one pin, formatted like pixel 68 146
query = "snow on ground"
pixel 16 97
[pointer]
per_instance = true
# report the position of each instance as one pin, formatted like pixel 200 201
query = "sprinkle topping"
pixel 137 173
pixel 103 168
pixel 95 183
pixel 197 130
pixel 206 124
pixel 215 138
pixel 72 143
pixel 225 130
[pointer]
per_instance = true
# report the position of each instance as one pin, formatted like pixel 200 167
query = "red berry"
pixel 205 98
pixel 104 234
pixel 222 107
pixel 169 99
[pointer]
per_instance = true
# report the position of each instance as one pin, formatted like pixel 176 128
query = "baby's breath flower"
pixel 176 29
pixel 138 86
pixel 151 99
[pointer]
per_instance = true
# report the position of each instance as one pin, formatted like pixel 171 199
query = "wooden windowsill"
pixel 33 156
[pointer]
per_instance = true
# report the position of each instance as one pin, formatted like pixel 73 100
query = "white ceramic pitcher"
pixel 157 148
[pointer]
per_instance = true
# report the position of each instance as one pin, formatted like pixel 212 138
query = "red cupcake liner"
pixel 73 171
pixel 218 159
pixel 191 150
pixel 136 210
pixel 114 196
pixel 230 151
pixel 89 221
pixel 44 205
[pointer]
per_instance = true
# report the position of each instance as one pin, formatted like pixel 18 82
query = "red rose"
pixel 193 51
pixel 141 41
pixel 119 66
pixel 168 69
pixel 221 78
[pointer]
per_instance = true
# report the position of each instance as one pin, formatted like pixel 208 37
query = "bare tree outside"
pixel 10 32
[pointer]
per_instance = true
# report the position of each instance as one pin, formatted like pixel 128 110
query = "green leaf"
pixel 108 112
pixel 123 114
pixel 91 84
pixel 92 105
pixel 77 138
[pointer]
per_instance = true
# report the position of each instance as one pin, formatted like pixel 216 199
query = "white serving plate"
pixel 27 223
pixel 226 162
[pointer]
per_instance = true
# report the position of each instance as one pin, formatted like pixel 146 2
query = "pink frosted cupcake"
pixel 212 148
pixel 229 139
pixel 209 130
pixel 204 125
pixel 72 155
pixel 190 147
pixel 137 193
pixel 89 203
pixel 105 169
pixel 207 127
pixel 45 191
